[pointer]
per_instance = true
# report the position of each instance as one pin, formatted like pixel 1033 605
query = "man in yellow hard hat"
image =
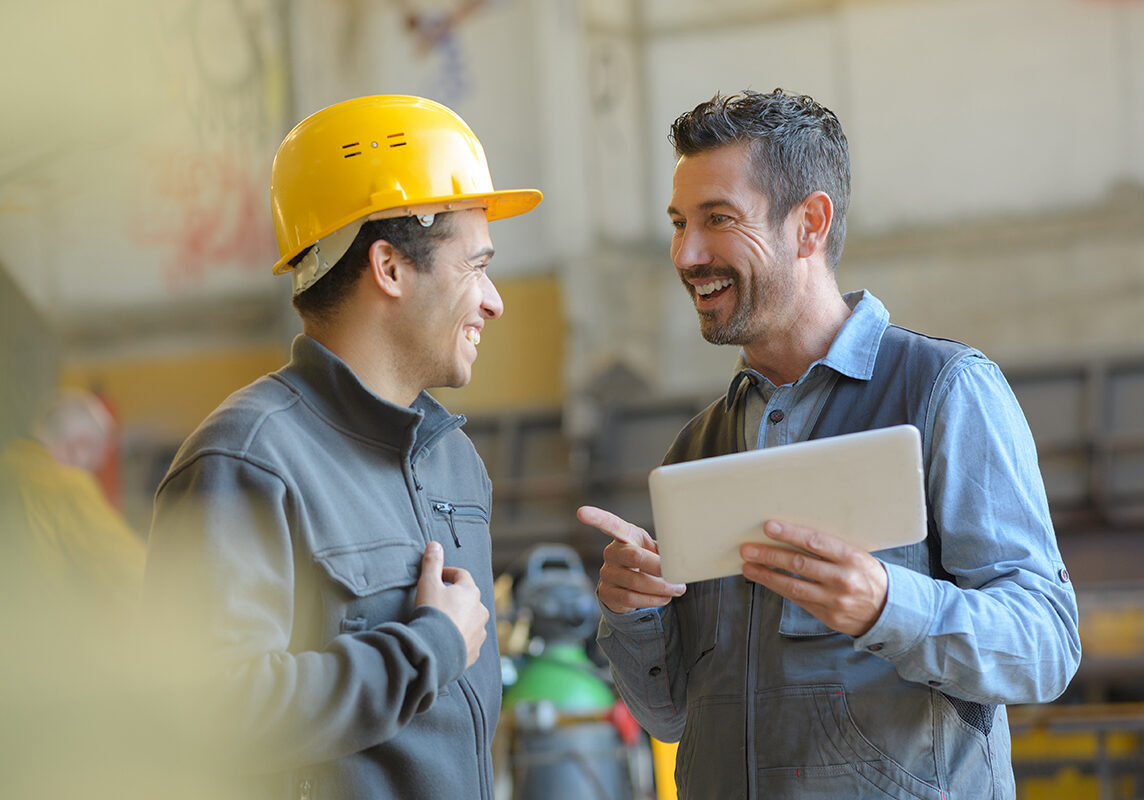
pixel 320 549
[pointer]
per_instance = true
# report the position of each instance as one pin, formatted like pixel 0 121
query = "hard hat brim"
pixel 497 205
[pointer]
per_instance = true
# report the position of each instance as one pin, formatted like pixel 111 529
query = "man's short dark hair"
pixel 797 147
pixel 415 242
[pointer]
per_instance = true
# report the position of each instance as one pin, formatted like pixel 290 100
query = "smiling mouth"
pixel 473 335
pixel 713 287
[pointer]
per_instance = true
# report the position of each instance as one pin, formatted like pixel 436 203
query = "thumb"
pixel 432 563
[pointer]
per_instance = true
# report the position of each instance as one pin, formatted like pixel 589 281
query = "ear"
pixel 387 269
pixel 817 212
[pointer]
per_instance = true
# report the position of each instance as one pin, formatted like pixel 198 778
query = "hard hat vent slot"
pixel 397 139
pixel 354 153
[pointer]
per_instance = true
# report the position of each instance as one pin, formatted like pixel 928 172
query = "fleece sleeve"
pixel 219 613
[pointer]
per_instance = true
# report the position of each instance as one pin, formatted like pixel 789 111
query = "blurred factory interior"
pixel 998 198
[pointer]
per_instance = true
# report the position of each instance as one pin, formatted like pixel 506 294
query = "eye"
pixel 719 219
pixel 678 224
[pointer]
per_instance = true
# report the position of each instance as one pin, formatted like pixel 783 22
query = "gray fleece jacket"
pixel 284 556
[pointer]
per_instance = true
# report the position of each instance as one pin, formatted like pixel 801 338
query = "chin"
pixel 460 378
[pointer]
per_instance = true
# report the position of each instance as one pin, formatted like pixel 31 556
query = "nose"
pixel 491 304
pixel 689 248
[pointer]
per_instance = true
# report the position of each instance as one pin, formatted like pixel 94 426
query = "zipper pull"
pixel 447 510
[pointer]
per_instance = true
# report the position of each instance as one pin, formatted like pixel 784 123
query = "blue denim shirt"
pixel 1003 630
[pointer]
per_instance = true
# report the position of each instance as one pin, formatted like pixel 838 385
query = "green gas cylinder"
pixel 560 710
pixel 564 744
pixel 564 676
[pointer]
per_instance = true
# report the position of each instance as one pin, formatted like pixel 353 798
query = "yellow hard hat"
pixel 376 157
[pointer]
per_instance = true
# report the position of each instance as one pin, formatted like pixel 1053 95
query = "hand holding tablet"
pixel 865 488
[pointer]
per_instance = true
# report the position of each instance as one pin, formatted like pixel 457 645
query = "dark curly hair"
pixel 797 147
pixel 409 237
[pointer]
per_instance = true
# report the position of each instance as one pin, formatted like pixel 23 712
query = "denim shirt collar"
pixel 852 353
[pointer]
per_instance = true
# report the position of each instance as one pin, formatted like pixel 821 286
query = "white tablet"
pixel 866 488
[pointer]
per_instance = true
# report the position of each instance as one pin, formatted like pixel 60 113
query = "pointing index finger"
pixel 618 528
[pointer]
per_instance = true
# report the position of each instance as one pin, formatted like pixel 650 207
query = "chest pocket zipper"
pixel 464 511
pixel 448 509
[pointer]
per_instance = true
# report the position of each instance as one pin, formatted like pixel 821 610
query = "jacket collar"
pixel 334 392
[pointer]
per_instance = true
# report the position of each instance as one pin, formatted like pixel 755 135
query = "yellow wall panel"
pixel 169 396
pixel 521 355
pixel 521 364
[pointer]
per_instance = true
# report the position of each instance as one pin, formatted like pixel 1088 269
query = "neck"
pixel 371 364
pixel 784 354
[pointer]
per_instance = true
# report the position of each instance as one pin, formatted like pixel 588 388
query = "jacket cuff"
pixel 642 623
pixel 444 637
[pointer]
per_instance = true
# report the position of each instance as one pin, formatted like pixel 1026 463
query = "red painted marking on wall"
pixel 208 209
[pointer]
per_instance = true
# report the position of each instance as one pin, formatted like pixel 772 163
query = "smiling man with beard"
pixel 825 671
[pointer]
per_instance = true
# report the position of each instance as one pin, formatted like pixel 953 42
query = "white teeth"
pixel 473 335
pixel 705 289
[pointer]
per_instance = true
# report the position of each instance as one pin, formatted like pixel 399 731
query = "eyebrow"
pixel 485 252
pixel 706 205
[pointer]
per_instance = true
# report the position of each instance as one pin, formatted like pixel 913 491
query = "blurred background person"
pixel 79 544
pixel 70 572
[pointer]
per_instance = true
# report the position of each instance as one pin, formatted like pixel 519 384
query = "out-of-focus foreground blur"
pixel 998 198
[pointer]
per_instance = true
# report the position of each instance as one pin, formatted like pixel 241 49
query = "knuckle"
pixel 617 551
pixel 639 558
pixel 614 575
pixel 613 597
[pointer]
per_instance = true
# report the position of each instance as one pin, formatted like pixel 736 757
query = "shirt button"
pixel 935 683
pixel 874 648
pixel 654 671
pixel 776 416
pixel 1063 574
pixel 646 618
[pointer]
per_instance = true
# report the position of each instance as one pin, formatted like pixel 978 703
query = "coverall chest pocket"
pixel 370 584
pixel 797 622
pixel 698 612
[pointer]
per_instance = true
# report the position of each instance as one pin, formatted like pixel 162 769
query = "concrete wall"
pixel 997 152
pixel 135 144
pixel 998 155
